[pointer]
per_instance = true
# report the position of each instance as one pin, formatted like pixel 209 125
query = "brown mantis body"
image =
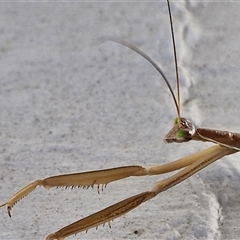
pixel 228 144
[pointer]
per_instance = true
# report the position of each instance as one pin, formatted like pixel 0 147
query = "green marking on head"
pixel 175 121
pixel 182 134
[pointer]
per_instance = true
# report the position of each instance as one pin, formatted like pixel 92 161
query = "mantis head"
pixel 182 131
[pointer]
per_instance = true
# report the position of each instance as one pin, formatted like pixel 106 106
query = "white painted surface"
pixel 70 103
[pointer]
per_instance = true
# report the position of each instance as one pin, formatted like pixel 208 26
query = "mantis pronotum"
pixel 134 170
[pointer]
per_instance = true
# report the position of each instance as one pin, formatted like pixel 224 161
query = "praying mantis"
pixel 215 150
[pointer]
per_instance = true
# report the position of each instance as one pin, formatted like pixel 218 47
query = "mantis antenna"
pixel 150 60
pixel 176 65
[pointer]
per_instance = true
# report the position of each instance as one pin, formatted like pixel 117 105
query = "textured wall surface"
pixel 71 103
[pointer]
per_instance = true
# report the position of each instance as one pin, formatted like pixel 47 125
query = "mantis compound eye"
pixel 182 133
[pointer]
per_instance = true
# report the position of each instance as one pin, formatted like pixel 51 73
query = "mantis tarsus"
pixel 192 163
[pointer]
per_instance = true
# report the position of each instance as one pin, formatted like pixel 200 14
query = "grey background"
pixel 70 103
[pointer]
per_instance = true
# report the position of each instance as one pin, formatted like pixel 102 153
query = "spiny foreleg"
pixel 199 161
